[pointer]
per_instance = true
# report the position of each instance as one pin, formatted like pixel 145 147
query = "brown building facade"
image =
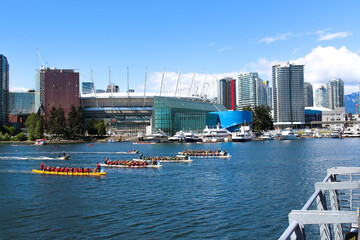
pixel 57 87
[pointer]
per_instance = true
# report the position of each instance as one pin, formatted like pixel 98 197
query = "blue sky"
pixel 218 37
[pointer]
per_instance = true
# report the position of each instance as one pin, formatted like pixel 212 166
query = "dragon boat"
pixel 96 174
pixel 176 159
pixel 204 154
pixel 131 166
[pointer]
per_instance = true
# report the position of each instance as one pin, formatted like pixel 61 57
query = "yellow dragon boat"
pixel 96 174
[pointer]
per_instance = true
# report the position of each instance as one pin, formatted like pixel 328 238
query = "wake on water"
pixel 28 158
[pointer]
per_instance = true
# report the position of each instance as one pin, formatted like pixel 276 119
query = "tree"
pixel 57 123
pixel 100 127
pixel 76 122
pixel 261 117
pixel 91 126
pixel 34 125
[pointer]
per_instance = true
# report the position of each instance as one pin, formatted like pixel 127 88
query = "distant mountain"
pixel 350 102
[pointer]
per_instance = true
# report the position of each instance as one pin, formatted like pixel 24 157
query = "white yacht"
pixel 353 131
pixel 178 137
pixel 266 136
pixel 243 135
pixel 159 136
pixel 288 134
pixel 217 134
pixel 191 137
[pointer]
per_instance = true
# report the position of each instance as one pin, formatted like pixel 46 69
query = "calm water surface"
pixel 245 197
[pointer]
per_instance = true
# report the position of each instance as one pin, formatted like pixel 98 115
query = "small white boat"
pixel 243 135
pixel 40 142
pixel 178 137
pixel 65 157
pixel 288 134
pixel 266 136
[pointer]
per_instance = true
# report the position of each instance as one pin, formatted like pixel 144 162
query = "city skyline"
pixel 89 35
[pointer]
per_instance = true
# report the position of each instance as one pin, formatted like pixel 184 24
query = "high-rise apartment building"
pixel 22 102
pixel 308 94
pixel 335 93
pixel 250 90
pixel 227 93
pixel 321 97
pixel 4 90
pixel 56 87
pixel 267 94
pixel 112 88
pixel 288 93
pixel 87 87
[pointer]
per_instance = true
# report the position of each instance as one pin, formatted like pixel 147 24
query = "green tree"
pixel 91 126
pixel 261 117
pixel 12 131
pixel 56 124
pixel 76 122
pixel 34 125
pixel 21 136
pixel 100 127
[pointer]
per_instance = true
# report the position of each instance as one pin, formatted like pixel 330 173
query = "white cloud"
pixel 224 49
pixel 18 89
pixel 330 36
pixel 282 36
pixel 211 44
pixel 325 63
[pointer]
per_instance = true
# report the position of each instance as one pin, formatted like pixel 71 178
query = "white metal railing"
pixel 330 221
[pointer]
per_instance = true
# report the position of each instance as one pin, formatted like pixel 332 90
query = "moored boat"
pixel 288 134
pixel 70 173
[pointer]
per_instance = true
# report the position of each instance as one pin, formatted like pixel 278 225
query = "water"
pixel 247 196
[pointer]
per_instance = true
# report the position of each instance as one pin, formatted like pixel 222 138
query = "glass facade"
pixel 175 114
pixel 4 90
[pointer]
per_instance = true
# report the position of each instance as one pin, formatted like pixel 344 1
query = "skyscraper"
pixel 288 92
pixel 308 94
pixel 87 87
pixel 250 90
pixel 56 87
pixel 4 90
pixel 267 94
pixel 335 93
pixel 321 97
pixel 227 93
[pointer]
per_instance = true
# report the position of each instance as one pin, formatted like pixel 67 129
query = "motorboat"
pixel 351 132
pixel 266 136
pixel 191 137
pixel 40 142
pixel 217 134
pixel 243 135
pixel 158 136
pixel 65 157
pixel 288 134
pixel 178 137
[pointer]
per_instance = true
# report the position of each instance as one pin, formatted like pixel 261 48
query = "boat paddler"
pixel 97 167
pixel 42 166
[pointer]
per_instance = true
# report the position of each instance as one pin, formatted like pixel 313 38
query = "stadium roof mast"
pixel 94 89
pixel 191 83
pixel 111 89
pixel 128 90
pixel 162 80
pixel 145 87
pixel 177 83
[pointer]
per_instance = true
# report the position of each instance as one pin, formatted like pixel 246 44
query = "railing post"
pixel 325 233
pixel 334 200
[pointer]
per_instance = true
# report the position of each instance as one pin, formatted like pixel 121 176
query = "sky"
pixel 215 39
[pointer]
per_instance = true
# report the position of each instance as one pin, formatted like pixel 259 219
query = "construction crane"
pixel 38 52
